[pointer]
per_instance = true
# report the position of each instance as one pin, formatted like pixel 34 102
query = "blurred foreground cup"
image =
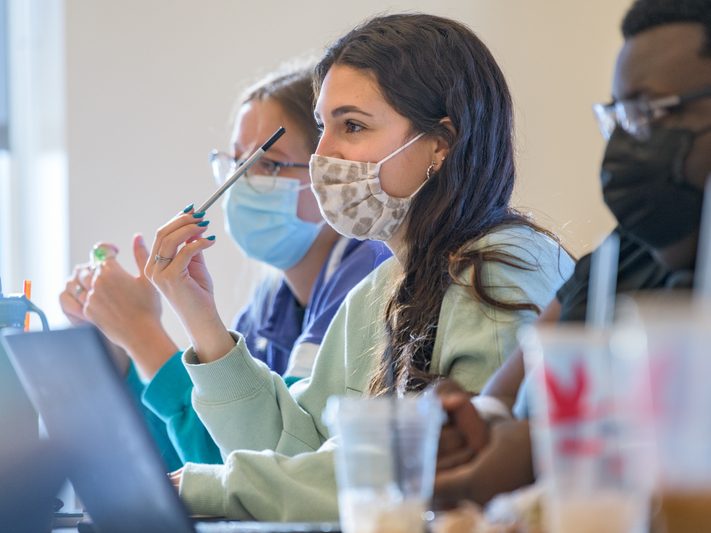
pixel 675 336
pixel 385 460
pixel 589 451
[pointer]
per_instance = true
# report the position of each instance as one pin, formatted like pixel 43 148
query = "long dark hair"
pixel 429 68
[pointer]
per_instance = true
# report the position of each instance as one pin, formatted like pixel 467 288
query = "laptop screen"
pixel 115 468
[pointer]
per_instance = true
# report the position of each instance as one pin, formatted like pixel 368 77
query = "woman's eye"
pixel 265 166
pixel 353 127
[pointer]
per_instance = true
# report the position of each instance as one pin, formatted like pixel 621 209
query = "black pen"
pixel 241 170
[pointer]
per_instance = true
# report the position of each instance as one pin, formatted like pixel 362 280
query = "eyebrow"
pixel 274 151
pixel 342 110
pixel 348 109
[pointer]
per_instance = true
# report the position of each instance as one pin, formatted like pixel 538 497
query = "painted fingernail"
pixel 199 215
pixel 210 238
pixel 187 209
pixel 203 223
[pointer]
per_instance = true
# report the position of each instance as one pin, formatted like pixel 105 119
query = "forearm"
pixel 208 335
pixel 504 383
pixel 265 486
pixel 245 406
pixel 150 347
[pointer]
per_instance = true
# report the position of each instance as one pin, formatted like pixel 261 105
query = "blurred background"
pixel 108 111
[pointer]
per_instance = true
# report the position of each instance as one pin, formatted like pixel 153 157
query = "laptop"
pixel 114 465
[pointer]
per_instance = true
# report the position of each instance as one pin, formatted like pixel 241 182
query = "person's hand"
pixel 127 309
pixel 175 478
pixel 464 434
pixel 73 296
pixel 177 267
pixel 505 464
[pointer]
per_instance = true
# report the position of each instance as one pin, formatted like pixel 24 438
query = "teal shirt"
pixel 155 425
pixel 278 451
pixel 167 397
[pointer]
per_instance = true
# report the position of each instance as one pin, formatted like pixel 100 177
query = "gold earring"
pixel 430 169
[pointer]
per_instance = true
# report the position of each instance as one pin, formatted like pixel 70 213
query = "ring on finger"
pixel 78 289
pixel 160 259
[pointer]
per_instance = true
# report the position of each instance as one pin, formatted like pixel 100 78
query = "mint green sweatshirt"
pixel 278 455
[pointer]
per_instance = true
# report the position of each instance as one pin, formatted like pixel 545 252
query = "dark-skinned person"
pixel 653 176
pixel 417 152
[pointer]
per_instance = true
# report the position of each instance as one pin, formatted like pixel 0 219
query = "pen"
pixel 241 170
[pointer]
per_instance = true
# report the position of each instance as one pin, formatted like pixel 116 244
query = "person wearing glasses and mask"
pixel 416 152
pixel 653 177
pixel 273 216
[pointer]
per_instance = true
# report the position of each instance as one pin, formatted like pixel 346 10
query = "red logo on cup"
pixel 567 403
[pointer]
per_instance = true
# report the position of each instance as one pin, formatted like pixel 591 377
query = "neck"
pixel 302 276
pixel 397 245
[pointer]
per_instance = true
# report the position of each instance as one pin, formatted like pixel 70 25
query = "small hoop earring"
pixel 430 169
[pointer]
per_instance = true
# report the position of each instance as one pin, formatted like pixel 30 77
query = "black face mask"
pixel 644 186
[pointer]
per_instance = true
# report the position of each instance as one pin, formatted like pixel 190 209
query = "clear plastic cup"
pixel 385 461
pixel 584 440
pixel 675 336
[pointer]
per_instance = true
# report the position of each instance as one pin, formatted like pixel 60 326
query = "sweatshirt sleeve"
pixel 474 338
pixel 249 408
pixel 167 395
pixel 265 486
pixel 246 406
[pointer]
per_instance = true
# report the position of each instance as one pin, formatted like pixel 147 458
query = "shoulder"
pixel 519 237
pixel 527 252
pixel 523 266
pixel 637 270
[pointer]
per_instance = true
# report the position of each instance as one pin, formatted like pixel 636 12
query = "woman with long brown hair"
pixel 417 151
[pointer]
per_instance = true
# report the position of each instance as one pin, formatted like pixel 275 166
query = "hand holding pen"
pixel 176 266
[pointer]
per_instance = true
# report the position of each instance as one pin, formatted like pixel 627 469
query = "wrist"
pixel 491 409
pixel 210 338
pixel 150 348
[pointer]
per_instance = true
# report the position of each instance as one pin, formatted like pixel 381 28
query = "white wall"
pixel 150 85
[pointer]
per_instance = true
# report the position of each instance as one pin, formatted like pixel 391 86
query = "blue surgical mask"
pixel 261 218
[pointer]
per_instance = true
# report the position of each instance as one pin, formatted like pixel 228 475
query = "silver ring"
pixel 160 259
pixel 78 289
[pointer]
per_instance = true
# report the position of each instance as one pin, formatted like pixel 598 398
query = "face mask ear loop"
pixel 408 143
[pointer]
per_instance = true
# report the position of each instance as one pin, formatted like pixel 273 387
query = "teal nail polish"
pixel 203 223
pixel 210 238
pixel 199 215
pixel 187 209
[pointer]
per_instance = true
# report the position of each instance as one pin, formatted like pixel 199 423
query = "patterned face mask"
pixel 351 199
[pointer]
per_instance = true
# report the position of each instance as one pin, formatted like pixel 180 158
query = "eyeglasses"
pixel 224 164
pixel 636 116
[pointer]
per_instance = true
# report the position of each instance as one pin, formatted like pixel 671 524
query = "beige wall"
pixel 150 84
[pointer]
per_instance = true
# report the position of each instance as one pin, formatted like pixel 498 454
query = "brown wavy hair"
pixel 429 68
pixel 291 86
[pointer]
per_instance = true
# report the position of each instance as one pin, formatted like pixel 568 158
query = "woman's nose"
pixel 321 146
pixel 326 146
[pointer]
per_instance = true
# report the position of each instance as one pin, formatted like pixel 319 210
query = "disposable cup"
pixel 385 461
pixel 588 451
